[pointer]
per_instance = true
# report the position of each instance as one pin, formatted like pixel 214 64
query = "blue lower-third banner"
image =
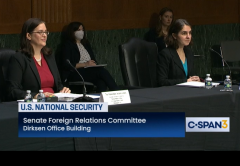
pixel 104 124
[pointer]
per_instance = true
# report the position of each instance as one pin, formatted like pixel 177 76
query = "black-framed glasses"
pixel 41 33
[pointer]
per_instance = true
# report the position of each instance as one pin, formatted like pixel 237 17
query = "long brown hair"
pixel 26 46
pixel 176 27
pixel 159 25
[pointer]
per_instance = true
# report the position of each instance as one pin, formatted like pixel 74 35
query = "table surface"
pixel 195 102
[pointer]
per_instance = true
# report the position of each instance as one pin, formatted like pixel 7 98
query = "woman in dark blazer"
pixel 175 63
pixel 32 67
pixel 159 33
pixel 78 51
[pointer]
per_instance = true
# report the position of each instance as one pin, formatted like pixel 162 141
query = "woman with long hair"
pixel 33 67
pixel 159 33
pixel 175 63
pixel 78 51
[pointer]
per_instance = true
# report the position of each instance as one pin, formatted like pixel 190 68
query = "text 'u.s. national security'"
pixel 63 107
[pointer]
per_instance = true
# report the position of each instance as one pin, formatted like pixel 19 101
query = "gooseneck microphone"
pixel 84 98
pixel 222 59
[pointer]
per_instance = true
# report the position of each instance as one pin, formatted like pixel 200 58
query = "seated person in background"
pixel 78 51
pixel 159 33
pixel 33 67
pixel 175 63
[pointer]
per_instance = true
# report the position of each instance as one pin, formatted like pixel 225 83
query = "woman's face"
pixel 166 18
pixel 38 37
pixel 184 36
pixel 79 34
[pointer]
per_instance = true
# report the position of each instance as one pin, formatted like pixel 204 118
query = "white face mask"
pixel 79 35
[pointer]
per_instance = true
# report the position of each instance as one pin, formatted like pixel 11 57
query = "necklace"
pixel 38 60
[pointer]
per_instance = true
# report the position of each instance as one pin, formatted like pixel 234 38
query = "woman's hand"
pixel 90 63
pixel 65 90
pixel 47 94
pixel 193 78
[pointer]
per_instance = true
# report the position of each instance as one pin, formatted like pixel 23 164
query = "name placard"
pixel 115 97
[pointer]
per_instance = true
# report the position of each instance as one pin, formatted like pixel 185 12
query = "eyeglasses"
pixel 41 33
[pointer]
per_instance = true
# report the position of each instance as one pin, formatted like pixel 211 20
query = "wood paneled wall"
pixel 13 13
pixel 56 13
pixel 113 14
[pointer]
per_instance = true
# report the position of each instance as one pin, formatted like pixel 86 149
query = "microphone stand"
pixel 84 98
pixel 223 61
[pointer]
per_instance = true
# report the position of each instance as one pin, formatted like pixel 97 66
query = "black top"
pixel 152 36
pixel 170 69
pixel 70 51
pixel 23 75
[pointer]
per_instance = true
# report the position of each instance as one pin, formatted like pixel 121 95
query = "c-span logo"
pixel 207 124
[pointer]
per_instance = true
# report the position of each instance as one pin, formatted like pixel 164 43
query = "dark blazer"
pixel 23 75
pixel 170 69
pixel 70 51
pixel 152 36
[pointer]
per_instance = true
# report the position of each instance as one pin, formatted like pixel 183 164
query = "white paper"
pixel 67 96
pixel 115 97
pixel 34 100
pixel 196 84
pixel 74 95
pixel 100 65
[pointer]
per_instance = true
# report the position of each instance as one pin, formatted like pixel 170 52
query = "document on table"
pixel 196 84
pixel 34 100
pixel 67 96
pixel 100 65
pixel 73 95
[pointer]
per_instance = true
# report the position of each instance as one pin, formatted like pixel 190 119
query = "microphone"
pixel 222 59
pixel 84 98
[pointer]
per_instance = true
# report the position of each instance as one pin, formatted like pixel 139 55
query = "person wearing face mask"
pixel 78 51
pixel 175 63
pixel 159 33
